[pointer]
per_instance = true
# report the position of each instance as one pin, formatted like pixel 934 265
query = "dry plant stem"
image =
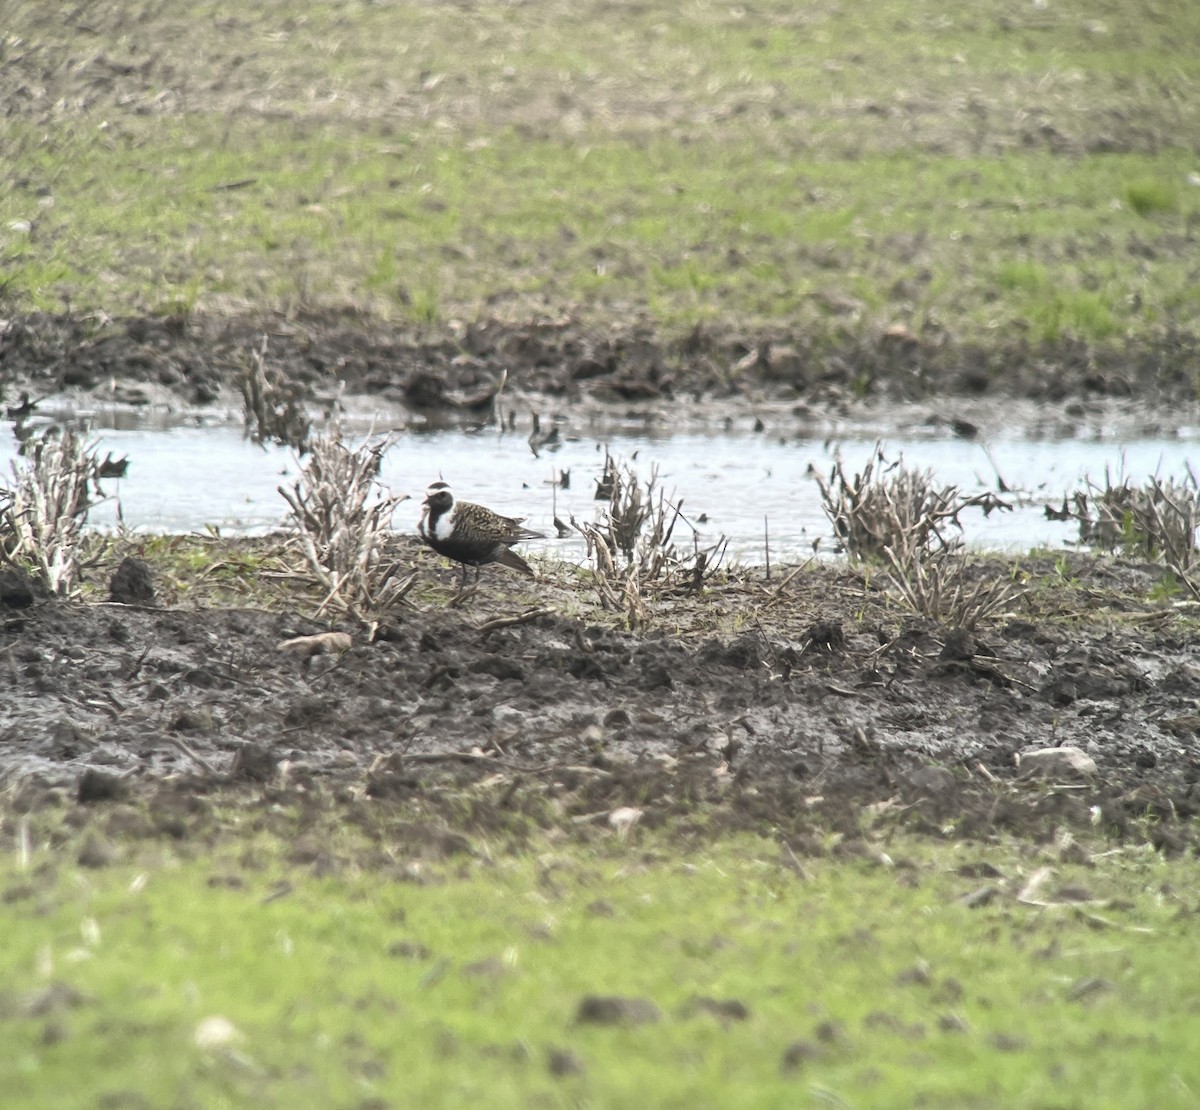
pixel 889 505
pixel 43 514
pixel 893 512
pixel 343 526
pixel 526 617
pixel 273 407
pixel 1157 520
pixel 631 544
pixel 934 586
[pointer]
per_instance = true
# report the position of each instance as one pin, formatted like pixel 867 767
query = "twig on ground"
pixel 521 618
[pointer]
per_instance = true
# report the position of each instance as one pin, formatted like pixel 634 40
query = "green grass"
pixel 426 164
pixel 396 981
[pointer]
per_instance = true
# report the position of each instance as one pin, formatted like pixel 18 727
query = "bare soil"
pixel 800 705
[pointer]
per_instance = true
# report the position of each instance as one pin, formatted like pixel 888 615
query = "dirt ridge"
pixel 444 368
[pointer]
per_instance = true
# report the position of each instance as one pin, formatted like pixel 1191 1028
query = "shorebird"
pixel 540 441
pixel 471 534
pixel 21 411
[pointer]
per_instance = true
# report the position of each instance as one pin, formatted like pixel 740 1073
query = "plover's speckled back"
pixel 472 534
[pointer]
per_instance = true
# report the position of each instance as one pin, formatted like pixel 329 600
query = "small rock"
pixel 132 582
pixel 597 1009
pixel 1056 763
pixel 215 1031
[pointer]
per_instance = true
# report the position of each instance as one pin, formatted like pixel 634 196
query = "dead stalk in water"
pixel 273 406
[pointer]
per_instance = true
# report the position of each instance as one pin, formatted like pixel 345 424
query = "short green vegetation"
pixel 995 171
pixel 727 973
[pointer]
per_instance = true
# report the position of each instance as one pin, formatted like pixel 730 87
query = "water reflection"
pixel 740 484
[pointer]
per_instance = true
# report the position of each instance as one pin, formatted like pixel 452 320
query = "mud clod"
pixel 132 583
pixel 100 786
pixel 613 1010
pixel 18 590
pixel 562 1062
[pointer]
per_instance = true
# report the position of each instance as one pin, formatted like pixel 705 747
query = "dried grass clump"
pixel 892 512
pixel 1157 521
pixel 343 526
pixel 631 543
pixel 937 585
pixel 273 407
pixel 891 506
pixel 43 513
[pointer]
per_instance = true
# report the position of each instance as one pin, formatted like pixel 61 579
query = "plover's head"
pixel 439 498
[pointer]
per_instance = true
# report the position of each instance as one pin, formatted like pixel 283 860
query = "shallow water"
pixel 186 476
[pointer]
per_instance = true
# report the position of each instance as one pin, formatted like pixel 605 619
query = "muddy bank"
pixel 195 360
pixel 754 705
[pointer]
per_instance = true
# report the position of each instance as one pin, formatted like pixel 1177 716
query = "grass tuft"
pixel 1152 197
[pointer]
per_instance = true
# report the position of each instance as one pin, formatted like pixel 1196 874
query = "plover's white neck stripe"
pixel 443 527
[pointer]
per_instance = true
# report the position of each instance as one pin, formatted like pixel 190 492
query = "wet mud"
pixel 453 370
pixel 783 706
